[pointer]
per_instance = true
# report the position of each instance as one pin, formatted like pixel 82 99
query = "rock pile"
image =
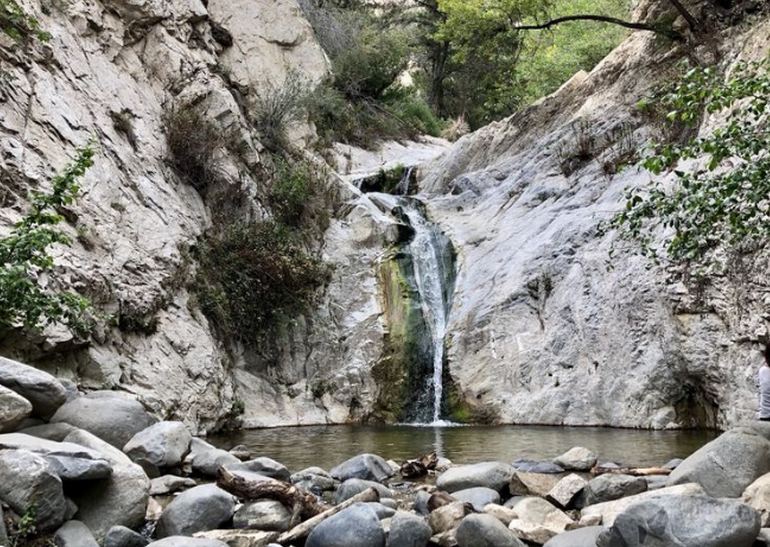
pixel 98 469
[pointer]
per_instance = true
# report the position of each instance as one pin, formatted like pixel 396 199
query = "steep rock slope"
pixel 110 73
pixel 541 330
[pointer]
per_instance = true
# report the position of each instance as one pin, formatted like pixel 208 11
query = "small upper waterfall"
pixel 431 256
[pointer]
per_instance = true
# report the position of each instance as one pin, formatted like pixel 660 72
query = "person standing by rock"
pixel 764 387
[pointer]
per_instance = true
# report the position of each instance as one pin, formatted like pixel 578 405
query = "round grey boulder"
pixel 13 409
pixel 582 537
pixel 74 533
pixel 683 521
pixel 576 459
pixel 184 541
pixel 265 515
pixel 111 416
pixel 42 390
pixel 264 466
pixel 408 530
pixel 534 466
pixel 610 487
pixel 206 459
pixel 485 531
pixel 352 487
pixel 478 497
pixel 196 510
pixel 369 467
pixel 494 475
pixel 27 480
pixel 160 446
pixel 356 526
pixel 120 536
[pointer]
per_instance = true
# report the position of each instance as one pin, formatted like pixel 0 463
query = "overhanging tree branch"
pixel 691 21
pixel 669 32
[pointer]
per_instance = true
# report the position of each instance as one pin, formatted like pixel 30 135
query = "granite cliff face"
pixel 541 330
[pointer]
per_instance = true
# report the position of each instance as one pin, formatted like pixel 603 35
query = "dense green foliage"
pixel 724 204
pixel 253 276
pixel 24 257
pixel 494 70
pixel 14 22
pixel 291 190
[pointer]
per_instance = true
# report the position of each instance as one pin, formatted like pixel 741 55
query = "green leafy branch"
pixel 14 22
pixel 724 204
pixel 24 257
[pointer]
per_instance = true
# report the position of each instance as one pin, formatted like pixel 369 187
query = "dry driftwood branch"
pixel 301 530
pixel 634 471
pixel 303 504
pixel 412 469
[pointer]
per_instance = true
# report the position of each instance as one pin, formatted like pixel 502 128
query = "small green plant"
pixel 579 148
pixel 277 107
pixel 193 142
pixel 291 189
pixel 14 22
pixel 724 204
pixel 254 276
pixel 24 257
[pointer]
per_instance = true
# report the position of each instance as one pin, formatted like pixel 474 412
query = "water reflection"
pixel 327 446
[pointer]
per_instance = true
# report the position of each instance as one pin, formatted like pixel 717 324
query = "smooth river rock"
pixel 485 531
pixel 494 475
pixel 160 446
pixel 479 497
pixel 120 536
pixel 112 416
pixel 356 526
pixel 196 510
pixel 609 510
pixel 27 480
pixel 74 533
pixel 757 496
pixel 266 515
pixel 364 466
pixel 538 520
pixel 576 459
pixel 566 490
pixel 264 466
pixel 13 409
pixel 206 459
pixel 683 521
pixel 727 465
pixel 43 391
pixel 582 537
pixel 611 486
pixel 351 487
pixel 408 530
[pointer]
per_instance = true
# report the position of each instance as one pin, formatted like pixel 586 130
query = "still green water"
pixel 326 446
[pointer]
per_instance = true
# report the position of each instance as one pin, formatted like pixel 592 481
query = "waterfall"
pixel 431 254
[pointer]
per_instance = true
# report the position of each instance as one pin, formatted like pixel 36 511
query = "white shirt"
pixel 764 391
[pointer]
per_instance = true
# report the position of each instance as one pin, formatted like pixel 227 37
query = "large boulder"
pixel 369 467
pixel 576 459
pixel 356 526
pixel 74 533
pixel 683 521
pixel 160 446
pixel 408 530
pixel 267 515
pixel 485 531
pixel 532 484
pixel 611 486
pixel 27 481
pixel 264 466
pixel 757 496
pixel 565 491
pixel 207 459
pixel 536 466
pixel 538 520
pixel 120 499
pixel 494 475
pixel 69 461
pixel 120 536
pixel 607 511
pixel 448 516
pixel 196 510
pixel 314 479
pixel 13 409
pixel 112 416
pixel 351 487
pixel 43 391
pixel 50 432
pixel 727 465
pixel 582 537
pixel 478 497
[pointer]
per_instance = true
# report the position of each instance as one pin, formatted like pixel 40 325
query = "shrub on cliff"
pixel 277 107
pixel 193 144
pixel 252 276
pixel 25 258
pixel 14 22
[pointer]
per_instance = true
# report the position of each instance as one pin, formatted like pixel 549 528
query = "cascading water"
pixel 432 260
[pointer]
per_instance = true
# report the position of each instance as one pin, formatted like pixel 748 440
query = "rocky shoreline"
pixel 97 469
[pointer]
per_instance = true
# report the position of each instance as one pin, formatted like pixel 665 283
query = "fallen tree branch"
pixel 303 504
pixel 670 33
pixel 634 471
pixel 302 530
